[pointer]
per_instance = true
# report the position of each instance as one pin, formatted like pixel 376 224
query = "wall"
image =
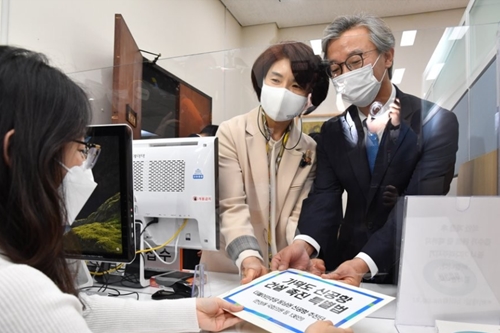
pixel 78 35
pixel 255 39
pixel 80 38
pixel 429 26
pixel 4 19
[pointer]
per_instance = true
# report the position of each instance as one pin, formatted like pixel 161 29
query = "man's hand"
pixel 212 316
pixel 295 255
pixel 390 196
pixel 350 272
pixel 317 267
pixel 376 125
pixel 394 112
pixel 326 327
pixel 252 268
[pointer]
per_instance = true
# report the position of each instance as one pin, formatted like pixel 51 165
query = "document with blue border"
pixel 291 300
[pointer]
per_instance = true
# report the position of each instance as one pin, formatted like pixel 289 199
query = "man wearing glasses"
pixel 386 144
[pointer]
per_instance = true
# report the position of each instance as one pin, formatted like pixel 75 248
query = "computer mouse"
pixel 163 294
pixel 179 289
pixel 182 288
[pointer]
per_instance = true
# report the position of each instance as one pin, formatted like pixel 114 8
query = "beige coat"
pixel 244 187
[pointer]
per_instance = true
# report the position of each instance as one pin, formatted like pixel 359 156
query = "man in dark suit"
pixel 386 144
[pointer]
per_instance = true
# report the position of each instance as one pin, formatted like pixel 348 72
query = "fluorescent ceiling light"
pixel 397 75
pixel 434 72
pixel 316 46
pixel 457 32
pixel 146 134
pixel 408 37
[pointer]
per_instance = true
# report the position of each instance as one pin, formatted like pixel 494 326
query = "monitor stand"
pixel 134 272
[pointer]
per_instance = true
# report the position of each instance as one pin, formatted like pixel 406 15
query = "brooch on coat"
pixel 306 159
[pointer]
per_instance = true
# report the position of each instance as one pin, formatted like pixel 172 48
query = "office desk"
pixel 381 321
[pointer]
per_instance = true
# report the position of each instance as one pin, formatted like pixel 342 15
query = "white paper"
pixel 291 300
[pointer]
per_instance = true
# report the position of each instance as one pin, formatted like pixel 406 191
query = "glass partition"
pixel 465 83
pixel 454 67
pixel 457 73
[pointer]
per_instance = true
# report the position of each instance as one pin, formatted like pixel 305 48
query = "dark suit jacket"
pixel 419 160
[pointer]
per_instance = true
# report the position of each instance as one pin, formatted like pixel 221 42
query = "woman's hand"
pixel 252 268
pixel 326 327
pixel 212 315
pixel 317 267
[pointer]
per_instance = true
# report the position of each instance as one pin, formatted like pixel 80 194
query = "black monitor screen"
pixel 160 99
pixel 103 230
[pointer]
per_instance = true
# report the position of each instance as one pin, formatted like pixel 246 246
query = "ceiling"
pixel 412 62
pixel 294 13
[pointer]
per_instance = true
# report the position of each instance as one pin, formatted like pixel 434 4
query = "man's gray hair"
pixel 380 34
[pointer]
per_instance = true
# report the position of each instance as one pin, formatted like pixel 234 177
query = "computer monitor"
pixel 176 180
pixel 104 229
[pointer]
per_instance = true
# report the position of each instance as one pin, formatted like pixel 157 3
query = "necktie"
pixel 371 148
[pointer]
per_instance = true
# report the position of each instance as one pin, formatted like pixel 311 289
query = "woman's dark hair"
pixel 307 68
pixel 46 110
pixel 209 130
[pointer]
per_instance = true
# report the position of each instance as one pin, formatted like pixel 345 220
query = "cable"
pixel 116 292
pixel 119 294
pixel 268 136
pixel 111 270
pixel 175 253
pixel 167 242
pixel 300 136
pixel 153 221
pixel 127 278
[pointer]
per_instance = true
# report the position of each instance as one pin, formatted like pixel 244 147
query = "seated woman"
pixel 266 164
pixel 43 118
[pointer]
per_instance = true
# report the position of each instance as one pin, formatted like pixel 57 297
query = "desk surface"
pixel 381 321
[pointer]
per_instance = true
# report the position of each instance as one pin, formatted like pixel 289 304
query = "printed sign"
pixel 291 300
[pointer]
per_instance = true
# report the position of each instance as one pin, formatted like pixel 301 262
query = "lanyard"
pixel 272 207
pixel 282 150
pixel 284 141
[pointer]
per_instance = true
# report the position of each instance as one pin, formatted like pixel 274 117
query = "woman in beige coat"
pixel 266 164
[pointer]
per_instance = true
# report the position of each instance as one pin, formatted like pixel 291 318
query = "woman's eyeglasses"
pixel 90 153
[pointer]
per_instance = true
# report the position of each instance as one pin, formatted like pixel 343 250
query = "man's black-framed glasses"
pixel 354 61
pixel 90 153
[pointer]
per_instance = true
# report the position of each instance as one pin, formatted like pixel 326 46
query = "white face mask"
pixel 280 104
pixel 358 87
pixel 76 188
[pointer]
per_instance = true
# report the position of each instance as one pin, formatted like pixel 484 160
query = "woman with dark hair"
pixel 266 163
pixel 43 118
pixel 209 130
